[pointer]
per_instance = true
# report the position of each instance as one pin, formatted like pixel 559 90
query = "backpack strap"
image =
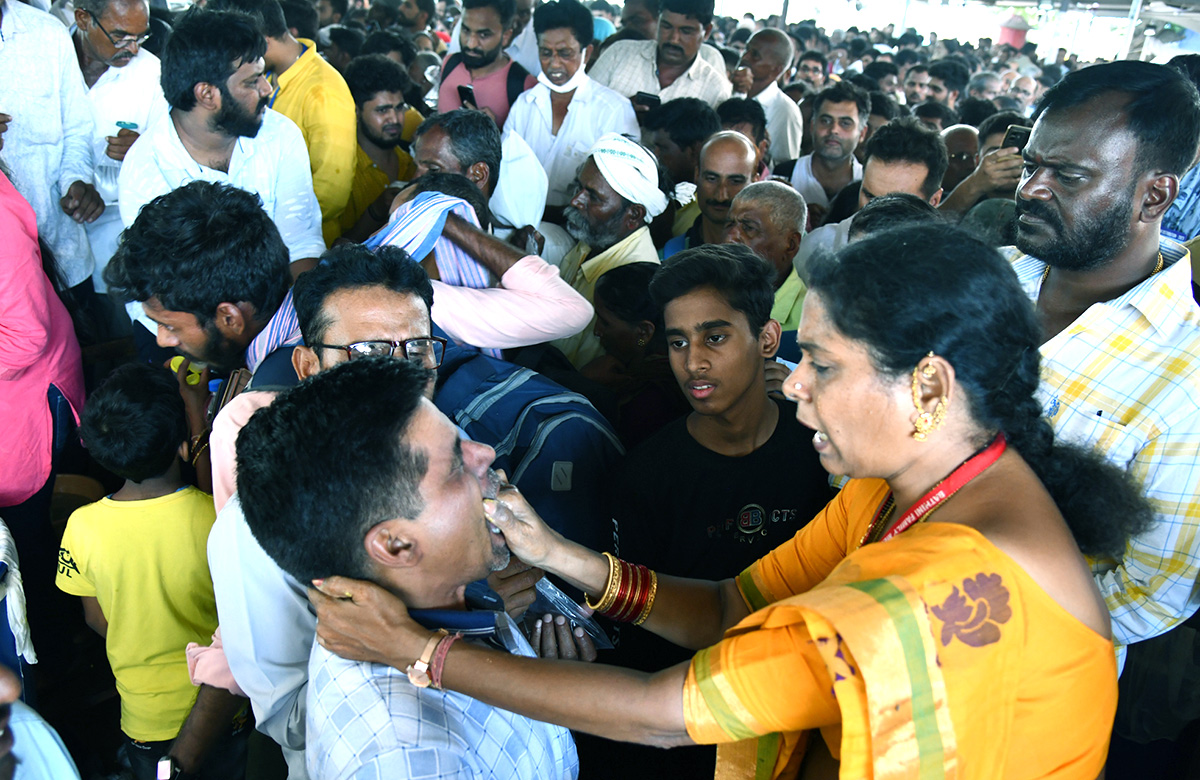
pixel 450 64
pixel 516 81
pixel 275 372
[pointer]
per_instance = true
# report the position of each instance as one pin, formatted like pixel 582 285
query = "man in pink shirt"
pixel 481 75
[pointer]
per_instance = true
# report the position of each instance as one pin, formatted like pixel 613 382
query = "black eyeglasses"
pixel 427 350
pixel 125 41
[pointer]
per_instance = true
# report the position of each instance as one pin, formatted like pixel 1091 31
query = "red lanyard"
pixel 971 468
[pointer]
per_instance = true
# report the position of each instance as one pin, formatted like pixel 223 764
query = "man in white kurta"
pixel 48 142
pixel 592 109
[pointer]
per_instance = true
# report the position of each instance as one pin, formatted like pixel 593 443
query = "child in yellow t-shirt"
pixel 138 559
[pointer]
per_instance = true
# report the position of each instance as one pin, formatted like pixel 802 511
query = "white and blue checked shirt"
pixel 368 722
pixel 1125 379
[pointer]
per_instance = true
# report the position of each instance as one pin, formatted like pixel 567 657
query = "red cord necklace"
pixel 880 531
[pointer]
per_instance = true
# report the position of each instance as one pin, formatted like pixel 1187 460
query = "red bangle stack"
pixel 629 594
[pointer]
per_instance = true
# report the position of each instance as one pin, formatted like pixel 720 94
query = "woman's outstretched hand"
pixel 527 535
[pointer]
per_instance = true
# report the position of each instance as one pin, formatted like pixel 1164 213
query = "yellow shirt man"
pixel 369 184
pixel 314 96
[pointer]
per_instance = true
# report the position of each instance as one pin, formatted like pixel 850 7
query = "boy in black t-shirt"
pixel 713 492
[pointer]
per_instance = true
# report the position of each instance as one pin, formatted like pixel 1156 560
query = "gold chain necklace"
pixel 1157 267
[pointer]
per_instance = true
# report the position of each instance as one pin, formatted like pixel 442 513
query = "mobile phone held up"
pixel 646 99
pixel 1016 136
pixel 466 95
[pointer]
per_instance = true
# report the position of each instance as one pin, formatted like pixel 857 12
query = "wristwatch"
pixel 168 769
pixel 418 671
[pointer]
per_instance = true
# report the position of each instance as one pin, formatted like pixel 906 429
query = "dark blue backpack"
pixel 551 442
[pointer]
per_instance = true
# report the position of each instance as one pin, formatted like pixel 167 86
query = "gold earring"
pixel 927 422
pixel 641 342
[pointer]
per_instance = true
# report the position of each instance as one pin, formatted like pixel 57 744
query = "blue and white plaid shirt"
pixel 368 722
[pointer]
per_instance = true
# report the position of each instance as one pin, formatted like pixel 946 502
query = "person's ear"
pixel 1160 193
pixel 707 31
pixel 392 545
pixel 231 320
pixel 305 361
pixel 587 54
pixel 635 216
pixel 208 96
pixel 793 243
pixel 480 174
pixel 935 381
pixel 937 198
pixel 82 16
pixel 644 330
pixel 768 339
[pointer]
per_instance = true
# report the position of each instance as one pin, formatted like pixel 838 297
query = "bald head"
pixel 962 146
pixel 727 163
pixel 776 44
pixel 768 54
pixel 1024 90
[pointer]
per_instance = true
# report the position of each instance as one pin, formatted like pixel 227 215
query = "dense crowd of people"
pixel 524 389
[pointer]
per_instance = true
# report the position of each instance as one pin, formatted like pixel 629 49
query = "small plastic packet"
pixel 551 599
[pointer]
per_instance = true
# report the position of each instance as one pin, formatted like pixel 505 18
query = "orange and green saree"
pixel 932 655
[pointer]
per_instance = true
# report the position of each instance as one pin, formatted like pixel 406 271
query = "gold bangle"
pixel 610 587
pixel 649 601
pixel 196 455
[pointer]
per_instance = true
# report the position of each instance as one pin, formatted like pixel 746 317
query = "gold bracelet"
pixel 198 453
pixel 610 587
pixel 649 601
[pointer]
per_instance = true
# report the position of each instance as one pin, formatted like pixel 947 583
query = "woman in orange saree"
pixel 937 619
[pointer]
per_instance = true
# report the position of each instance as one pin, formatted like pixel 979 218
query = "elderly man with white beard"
pixel 618 193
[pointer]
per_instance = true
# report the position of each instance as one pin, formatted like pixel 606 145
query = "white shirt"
pixel 48 143
pixel 807 185
pixel 267 630
pixel 523 49
pixel 785 123
pixel 133 94
pixel 593 111
pixel 273 165
pixel 368 721
pixel 630 67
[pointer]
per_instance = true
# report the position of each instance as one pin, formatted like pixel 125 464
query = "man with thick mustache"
pixel 220 129
pixel 727 162
pixel 670 67
pixel 1121 354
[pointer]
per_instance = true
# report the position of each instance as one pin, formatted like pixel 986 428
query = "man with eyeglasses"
pixel 46 131
pixel 126 98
